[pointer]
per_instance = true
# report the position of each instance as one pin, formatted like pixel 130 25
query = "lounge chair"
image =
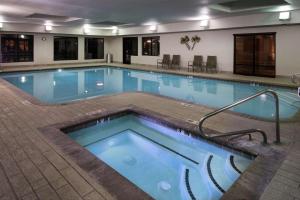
pixel 175 62
pixel 165 62
pixel 196 64
pixel 211 63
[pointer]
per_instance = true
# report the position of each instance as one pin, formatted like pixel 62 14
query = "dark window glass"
pixel 131 44
pixel 255 54
pixel 16 48
pixel 151 46
pixel 94 48
pixel 65 48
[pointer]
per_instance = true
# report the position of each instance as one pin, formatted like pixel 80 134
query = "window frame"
pixel 65 59
pixel 85 47
pixel 17 52
pixel 145 39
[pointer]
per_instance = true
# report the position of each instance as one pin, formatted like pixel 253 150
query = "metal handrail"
pixel 249 131
pixel 294 78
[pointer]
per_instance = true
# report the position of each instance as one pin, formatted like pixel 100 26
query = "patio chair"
pixel 175 62
pixel 211 63
pixel 165 62
pixel 196 64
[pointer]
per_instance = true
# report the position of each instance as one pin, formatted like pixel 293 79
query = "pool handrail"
pixel 295 78
pixel 248 131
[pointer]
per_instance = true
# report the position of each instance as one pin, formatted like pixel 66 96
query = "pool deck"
pixel 31 167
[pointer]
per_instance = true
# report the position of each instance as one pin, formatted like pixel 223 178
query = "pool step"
pixel 223 173
pixel 196 185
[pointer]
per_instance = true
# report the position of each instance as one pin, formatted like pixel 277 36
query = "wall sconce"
pixel 204 23
pixel 284 16
pixel 153 28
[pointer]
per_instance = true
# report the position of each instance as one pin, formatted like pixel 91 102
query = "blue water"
pixel 155 158
pixel 61 86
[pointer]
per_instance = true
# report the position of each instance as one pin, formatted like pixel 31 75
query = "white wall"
pixel 44 51
pixel 217 40
pixel 220 43
pixel 243 21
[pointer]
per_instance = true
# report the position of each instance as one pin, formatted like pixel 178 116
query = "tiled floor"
pixel 33 168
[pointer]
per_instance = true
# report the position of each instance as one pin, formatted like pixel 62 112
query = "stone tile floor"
pixel 33 168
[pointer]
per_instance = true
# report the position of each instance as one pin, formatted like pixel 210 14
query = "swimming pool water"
pixel 59 86
pixel 162 162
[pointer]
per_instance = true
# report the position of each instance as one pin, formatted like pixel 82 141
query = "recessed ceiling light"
pixel 284 15
pixel 199 18
pixel 48 27
pixel 204 23
pixel 153 28
pixel 115 30
pixel 86 28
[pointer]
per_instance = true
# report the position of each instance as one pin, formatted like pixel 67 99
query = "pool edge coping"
pixel 267 161
pixel 161 70
pixel 38 102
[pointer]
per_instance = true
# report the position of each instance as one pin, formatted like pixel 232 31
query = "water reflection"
pixel 68 85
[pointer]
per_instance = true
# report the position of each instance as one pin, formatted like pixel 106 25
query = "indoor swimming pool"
pixel 62 86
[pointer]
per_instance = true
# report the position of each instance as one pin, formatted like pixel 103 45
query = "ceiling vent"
pixel 56 18
pixel 108 23
pixel 240 6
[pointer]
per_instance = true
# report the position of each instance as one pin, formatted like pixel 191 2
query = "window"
pixel 16 48
pixel 94 48
pixel 151 46
pixel 65 48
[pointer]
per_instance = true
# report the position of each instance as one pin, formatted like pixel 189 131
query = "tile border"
pixel 267 161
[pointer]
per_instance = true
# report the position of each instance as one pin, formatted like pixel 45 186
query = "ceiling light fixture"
pixel 204 23
pixel 22 36
pixel 153 28
pixel 86 29
pixel 115 30
pixel 284 16
pixel 48 26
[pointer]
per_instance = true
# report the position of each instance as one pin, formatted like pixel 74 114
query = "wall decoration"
pixel 196 39
pixel 186 41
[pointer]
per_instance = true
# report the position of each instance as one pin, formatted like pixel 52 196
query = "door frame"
pixel 130 51
pixel 254 52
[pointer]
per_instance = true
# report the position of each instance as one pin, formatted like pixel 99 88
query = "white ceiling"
pixel 133 12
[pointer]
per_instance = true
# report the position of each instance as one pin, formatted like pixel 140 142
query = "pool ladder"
pixel 248 132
